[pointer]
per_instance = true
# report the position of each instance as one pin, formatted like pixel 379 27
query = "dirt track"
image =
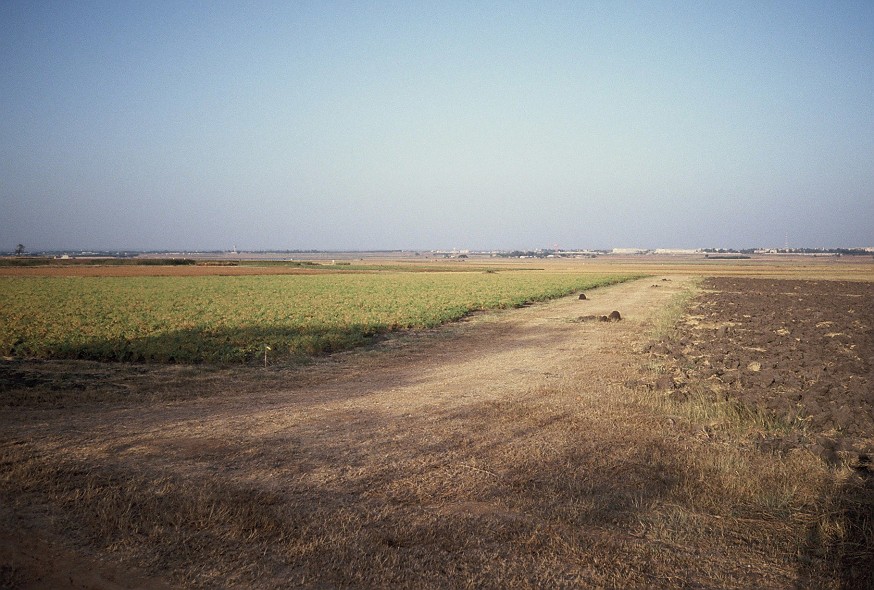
pixel 483 454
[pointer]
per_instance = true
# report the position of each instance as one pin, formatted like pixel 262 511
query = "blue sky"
pixel 413 125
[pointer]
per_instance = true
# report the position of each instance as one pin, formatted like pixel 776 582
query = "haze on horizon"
pixel 353 126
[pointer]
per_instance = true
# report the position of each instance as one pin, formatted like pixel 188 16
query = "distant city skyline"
pixel 389 126
pixel 850 250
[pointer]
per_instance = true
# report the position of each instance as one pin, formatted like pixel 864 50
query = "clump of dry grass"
pixel 664 322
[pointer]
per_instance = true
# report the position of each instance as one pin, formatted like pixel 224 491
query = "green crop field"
pixel 220 319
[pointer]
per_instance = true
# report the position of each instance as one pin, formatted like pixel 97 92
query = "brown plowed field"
pixel 803 350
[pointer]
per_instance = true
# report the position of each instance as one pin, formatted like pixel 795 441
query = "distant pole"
pixel 266 348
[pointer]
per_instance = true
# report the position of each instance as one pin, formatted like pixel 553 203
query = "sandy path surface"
pixel 415 419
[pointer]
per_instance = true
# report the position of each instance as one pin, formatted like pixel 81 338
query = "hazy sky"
pixel 419 125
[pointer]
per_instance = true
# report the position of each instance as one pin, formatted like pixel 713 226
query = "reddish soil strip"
pixel 159 271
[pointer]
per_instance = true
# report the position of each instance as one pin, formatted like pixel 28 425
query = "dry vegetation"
pixel 729 366
pixel 516 449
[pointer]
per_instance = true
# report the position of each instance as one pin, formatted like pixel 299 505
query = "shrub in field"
pixel 231 319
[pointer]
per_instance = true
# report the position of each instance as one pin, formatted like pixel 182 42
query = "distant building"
pixel 675 251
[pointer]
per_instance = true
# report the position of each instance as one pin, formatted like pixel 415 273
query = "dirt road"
pixel 495 452
pixel 490 356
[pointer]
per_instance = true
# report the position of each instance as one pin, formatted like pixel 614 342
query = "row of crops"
pixel 232 319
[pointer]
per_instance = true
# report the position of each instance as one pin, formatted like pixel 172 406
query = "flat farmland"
pixel 717 436
pixel 223 319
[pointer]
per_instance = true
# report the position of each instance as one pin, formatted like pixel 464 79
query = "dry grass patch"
pixel 512 494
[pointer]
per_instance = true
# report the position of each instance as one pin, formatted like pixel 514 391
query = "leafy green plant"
pixel 231 319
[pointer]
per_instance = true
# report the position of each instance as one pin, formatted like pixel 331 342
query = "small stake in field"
pixel 266 348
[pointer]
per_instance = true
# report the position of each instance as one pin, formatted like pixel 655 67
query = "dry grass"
pixel 665 320
pixel 513 494
pixel 569 480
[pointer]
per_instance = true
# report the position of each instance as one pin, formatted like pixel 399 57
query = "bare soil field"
pixel 803 350
pixel 772 266
pixel 854 268
pixel 515 449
